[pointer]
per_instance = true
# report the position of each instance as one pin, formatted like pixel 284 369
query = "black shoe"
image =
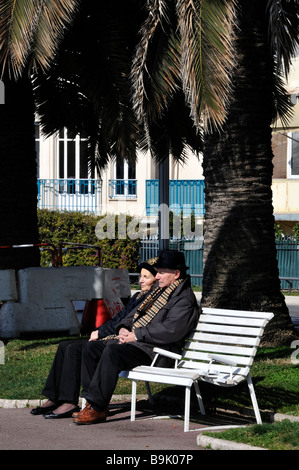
pixel 67 414
pixel 40 410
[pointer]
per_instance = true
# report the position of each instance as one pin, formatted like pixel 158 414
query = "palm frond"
pixel 147 62
pixel 283 36
pixel 51 22
pixel 283 16
pixel 16 19
pixel 282 107
pixel 32 27
pixel 207 32
pixel 174 133
pixel 88 99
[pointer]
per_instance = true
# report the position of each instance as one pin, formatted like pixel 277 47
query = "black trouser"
pixel 93 364
pixel 101 366
pixel 64 379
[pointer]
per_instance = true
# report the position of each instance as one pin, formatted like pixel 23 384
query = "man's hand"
pixel 125 336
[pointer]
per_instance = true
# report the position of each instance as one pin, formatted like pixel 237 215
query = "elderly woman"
pixel 62 386
pixel 146 281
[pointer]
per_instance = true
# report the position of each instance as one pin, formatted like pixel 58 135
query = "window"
pixel 72 161
pixel 293 155
pixel 124 183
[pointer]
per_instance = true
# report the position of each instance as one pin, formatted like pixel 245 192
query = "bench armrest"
pixel 166 353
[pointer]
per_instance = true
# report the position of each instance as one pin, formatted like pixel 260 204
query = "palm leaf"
pixel 32 27
pixel 188 44
pixel 151 81
pixel 207 32
pixel 88 99
pixel 283 34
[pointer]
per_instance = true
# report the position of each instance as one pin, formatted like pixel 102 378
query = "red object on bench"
pixel 95 314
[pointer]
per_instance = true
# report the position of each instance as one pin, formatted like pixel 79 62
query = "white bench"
pixel 220 351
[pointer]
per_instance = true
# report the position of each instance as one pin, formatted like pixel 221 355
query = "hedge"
pixel 76 227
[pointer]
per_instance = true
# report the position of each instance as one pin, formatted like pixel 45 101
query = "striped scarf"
pixel 152 305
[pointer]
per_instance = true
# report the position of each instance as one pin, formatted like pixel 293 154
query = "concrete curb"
pixel 8 404
pixel 221 444
pixel 280 417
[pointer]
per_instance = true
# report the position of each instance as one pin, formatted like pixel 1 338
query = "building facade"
pixel 285 144
pixel 66 182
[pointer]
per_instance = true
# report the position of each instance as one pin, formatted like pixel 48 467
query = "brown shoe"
pixel 90 416
pixel 87 407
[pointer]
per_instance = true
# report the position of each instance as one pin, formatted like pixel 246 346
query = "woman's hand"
pixel 94 335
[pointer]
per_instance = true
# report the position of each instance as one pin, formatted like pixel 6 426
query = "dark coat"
pixel 170 326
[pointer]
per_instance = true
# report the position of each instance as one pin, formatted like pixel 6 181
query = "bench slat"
pixel 218 338
pixel 214 367
pixel 238 313
pixel 231 320
pixel 202 356
pixel 150 376
pixel 212 347
pixel 187 373
pixel 234 330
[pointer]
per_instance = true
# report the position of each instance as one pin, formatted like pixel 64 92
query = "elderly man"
pixel 164 319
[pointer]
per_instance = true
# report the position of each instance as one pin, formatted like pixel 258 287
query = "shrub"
pixel 57 228
pixel 296 230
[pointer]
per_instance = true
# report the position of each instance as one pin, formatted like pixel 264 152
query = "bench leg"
pixel 254 400
pixel 133 400
pixel 199 399
pixel 187 409
pixel 149 393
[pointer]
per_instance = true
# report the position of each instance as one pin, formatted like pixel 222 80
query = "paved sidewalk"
pixel 19 430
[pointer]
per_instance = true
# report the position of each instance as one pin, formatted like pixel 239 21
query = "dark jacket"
pixel 171 325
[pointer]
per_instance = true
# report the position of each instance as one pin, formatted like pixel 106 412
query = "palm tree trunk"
pixel 240 262
pixel 18 184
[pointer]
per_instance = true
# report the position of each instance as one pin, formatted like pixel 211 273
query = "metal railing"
pixel 185 196
pixel 192 249
pixel 288 262
pixel 287 252
pixel 82 195
pixel 126 189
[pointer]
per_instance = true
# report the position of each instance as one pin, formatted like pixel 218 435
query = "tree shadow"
pixel 216 397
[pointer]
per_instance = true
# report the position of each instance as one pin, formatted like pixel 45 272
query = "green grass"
pixel 276 379
pixel 27 364
pixel 275 436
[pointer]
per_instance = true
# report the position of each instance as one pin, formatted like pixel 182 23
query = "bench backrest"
pixel 231 336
